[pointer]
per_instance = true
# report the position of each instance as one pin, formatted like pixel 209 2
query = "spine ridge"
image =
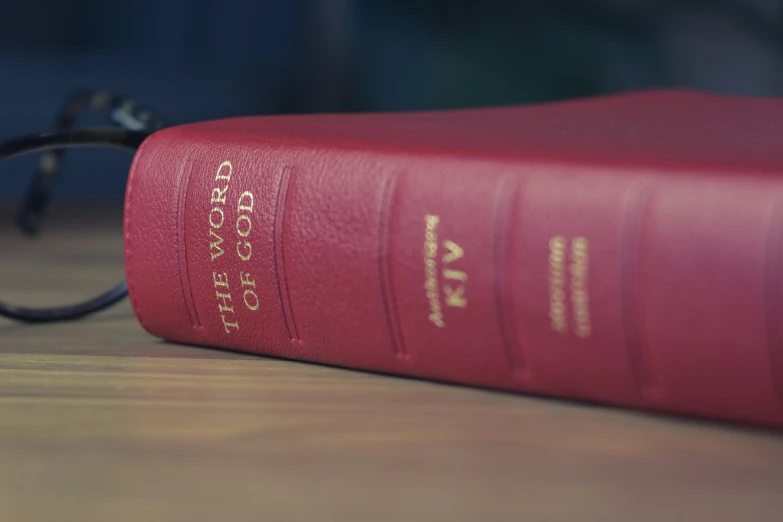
pixel 509 192
pixel 637 209
pixel 389 198
pixel 279 246
pixel 186 287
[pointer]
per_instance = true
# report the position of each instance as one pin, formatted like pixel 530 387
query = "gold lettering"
pixel 455 251
pixel 228 325
pixel 430 251
pixel 249 250
pixel 227 176
pixel 246 281
pixel 251 292
pixel 580 297
pixel 557 295
pixel 437 318
pixel 219 196
pixel 455 297
pixel 215 245
pixel 216 220
pixel 244 231
pixel 245 206
pixel 223 307
pixel 220 213
pixel 558 309
pixel 457 275
pixel 220 279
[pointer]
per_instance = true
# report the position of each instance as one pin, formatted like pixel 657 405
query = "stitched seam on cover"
pixel 508 198
pixel 388 199
pixel 280 270
pixel 186 288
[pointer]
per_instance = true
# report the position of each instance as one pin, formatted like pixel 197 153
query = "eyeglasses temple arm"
pixel 123 112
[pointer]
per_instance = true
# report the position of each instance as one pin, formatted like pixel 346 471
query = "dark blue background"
pixel 195 59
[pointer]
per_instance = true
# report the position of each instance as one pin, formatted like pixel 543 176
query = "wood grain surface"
pixel 99 421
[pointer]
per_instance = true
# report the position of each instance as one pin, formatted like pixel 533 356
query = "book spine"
pixel 617 286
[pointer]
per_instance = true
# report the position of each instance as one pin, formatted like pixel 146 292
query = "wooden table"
pixel 99 421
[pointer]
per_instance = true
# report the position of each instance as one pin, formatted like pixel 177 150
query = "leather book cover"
pixel 623 250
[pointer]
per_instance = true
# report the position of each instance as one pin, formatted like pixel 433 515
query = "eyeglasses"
pixel 133 124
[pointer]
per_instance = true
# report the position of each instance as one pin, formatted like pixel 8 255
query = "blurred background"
pixel 199 59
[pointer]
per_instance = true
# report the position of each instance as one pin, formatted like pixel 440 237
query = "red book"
pixel 623 250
